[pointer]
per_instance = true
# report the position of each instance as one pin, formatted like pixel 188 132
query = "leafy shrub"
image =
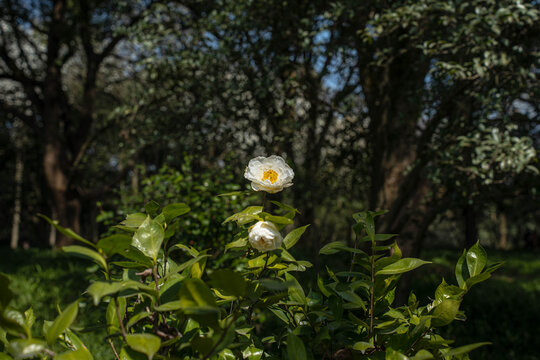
pixel 504 309
pixel 201 227
pixel 161 300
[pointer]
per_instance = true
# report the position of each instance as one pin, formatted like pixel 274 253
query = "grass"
pixel 46 280
pixel 504 310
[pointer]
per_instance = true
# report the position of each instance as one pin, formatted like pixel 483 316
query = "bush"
pixel 160 299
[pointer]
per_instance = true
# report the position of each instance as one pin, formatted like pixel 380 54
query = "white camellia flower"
pixel 270 174
pixel 264 236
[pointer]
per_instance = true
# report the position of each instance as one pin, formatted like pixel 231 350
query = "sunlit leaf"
pixel 86 253
pixel 476 259
pixel 292 238
pixel 148 238
pixel 401 266
pixel 62 322
pixel 147 344
pixel 67 232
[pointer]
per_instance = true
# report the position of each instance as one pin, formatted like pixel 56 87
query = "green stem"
pixel 265 264
pixel 291 315
pixel 352 260
pixel 120 320
pixel 372 290
pixel 114 349
pixel 264 201
pixel 222 337
pixel 416 341
pixel 116 307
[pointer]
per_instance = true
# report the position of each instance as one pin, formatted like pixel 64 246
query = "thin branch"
pixel 116 39
pixel 120 320
pixel 114 349
pixel 372 291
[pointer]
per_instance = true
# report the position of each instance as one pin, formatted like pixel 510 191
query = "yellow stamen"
pixel 270 175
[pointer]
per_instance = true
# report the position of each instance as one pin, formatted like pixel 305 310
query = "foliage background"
pixel 427 108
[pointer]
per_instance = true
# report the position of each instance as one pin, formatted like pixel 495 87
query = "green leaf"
pixel 401 266
pixel 252 353
pixel 5 357
pixel 99 289
pixel 392 354
pixel 134 220
pixel 352 298
pixel 136 318
pixel 366 218
pixel 322 287
pixel 445 312
pixel 276 219
pixel 132 253
pixel 295 348
pixel 280 314
pixel 292 238
pixel 13 322
pixel 26 348
pixel 337 246
pixel 195 294
pixel 362 346
pixel 476 259
pixel 113 325
pixel 67 232
pixel 288 208
pixel 151 207
pixel 464 349
pixel 62 322
pixel 446 291
pixel 191 251
pixel 86 253
pixel 245 216
pixel 5 293
pixel 476 279
pixel 197 269
pixel 229 282
pixel 170 306
pixel 147 344
pixel 233 193
pixel 461 270
pixel 423 355
pixel 127 354
pixel 296 293
pixel 274 284
pixel 29 318
pixel 237 244
pixel 494 267
pixel 181 267
pixel 379 237
pixel 172 211
pixel 148 238
pixel 80 354
pixel 74 340
pixel 114 244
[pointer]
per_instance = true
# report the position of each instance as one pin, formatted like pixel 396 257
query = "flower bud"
pixel 264 236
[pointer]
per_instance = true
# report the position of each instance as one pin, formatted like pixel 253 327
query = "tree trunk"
pixel 503 231
pixel 396 172
pixel 397 151
pixel 54 112
pixel 52 232
pixel 19 169
pixel 471 227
